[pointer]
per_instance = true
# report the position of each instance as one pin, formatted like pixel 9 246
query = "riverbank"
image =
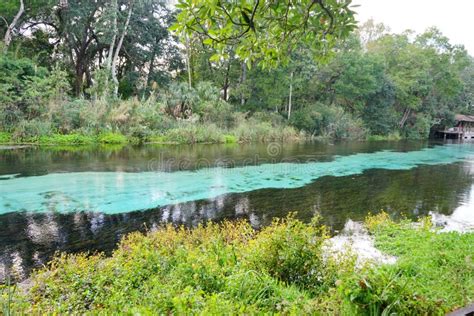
pixel 231 268
pixel 179 136
pixel 188 134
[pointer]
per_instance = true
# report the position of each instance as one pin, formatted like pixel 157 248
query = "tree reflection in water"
pixel 28 240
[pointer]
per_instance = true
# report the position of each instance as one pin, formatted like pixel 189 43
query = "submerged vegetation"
pixel 230 268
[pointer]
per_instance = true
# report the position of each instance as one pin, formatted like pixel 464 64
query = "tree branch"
pixel 8 34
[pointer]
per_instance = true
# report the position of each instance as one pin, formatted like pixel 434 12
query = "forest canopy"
pixel 145 67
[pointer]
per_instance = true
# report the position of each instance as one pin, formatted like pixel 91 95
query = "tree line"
pixel 302 64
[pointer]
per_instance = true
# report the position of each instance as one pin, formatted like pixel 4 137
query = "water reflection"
pixel 34 161
pixel 116 192
pixel 29 240
pixel 461 220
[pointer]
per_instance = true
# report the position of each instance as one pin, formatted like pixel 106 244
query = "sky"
pixel 453 17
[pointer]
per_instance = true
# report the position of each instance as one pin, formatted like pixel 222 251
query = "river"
pixel 85 199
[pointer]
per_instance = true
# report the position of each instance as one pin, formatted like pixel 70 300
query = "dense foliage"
pixel 230 268
pixel 114 66
pixel 265 31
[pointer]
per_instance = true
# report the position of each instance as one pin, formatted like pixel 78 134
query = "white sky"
pixel 453 17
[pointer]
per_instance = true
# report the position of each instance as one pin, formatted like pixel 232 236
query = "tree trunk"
pixel 117 50
pixel 242 82
pixel 405 117
pixel 188 61
pixel 79 77
pixel 290 96
pixel 114 37
pixel 226 82
pixel 8 34
pixel 151 69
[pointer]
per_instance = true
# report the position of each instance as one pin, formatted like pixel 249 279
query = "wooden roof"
pixel 464 118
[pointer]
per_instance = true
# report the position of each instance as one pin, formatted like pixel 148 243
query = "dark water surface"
pixel 86 199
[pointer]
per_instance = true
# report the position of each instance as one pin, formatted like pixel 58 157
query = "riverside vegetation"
pixel 230 268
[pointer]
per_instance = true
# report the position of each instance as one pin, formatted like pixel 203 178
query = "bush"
pixel 328 121
pixel 66 116
pixel 5 138
pixel 93 116
pixel 275 119
pixel 230 139
pixel 254 131
pixel 69 139
pixel 111 138
pixel 309 119
pixel 31 131
pixel 291 252
pixel 420 129
pixel 230 268
pixel 10 116
pixel 195 133
pixel 171 271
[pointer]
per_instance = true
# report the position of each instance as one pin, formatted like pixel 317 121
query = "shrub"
pixel 253 131
pixel 420 128
pixel 230 139
pixel 5 138
pixel 309 119
pixel 169 271
pixel 66 116
pixel 275 119
pixel 195 133
pixel 230 268
pixel 160 139
pixel 10 116
pixel 31 131
pixel 111 138
pixel 343 126
pixel 180 99
pixel 93 115
pixel 69 139
pixel 291 251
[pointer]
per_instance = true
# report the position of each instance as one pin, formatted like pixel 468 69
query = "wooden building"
pixel 463 128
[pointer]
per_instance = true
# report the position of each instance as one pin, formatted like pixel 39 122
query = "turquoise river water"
pixel 86 199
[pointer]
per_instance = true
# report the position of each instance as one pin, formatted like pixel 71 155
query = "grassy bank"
pixel 185 134
pixel 232 269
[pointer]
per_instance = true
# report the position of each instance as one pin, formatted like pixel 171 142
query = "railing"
pixel 454 129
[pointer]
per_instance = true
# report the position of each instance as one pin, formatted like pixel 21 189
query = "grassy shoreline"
pixel 231 268
pixel 188 135
pixel 172 137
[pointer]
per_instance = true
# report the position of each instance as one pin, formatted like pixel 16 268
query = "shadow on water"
pixel 29 239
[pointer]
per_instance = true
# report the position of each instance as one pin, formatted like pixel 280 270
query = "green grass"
pixel 186 134
pixel 230 139
pixel 5 138
pixel 434 272
pixel 69 139
pixel 230 268
pixel 74 139
pixel 112 138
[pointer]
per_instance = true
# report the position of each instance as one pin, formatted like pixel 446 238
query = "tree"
pixel 266 31
pixel 114 62
pixel 8 34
